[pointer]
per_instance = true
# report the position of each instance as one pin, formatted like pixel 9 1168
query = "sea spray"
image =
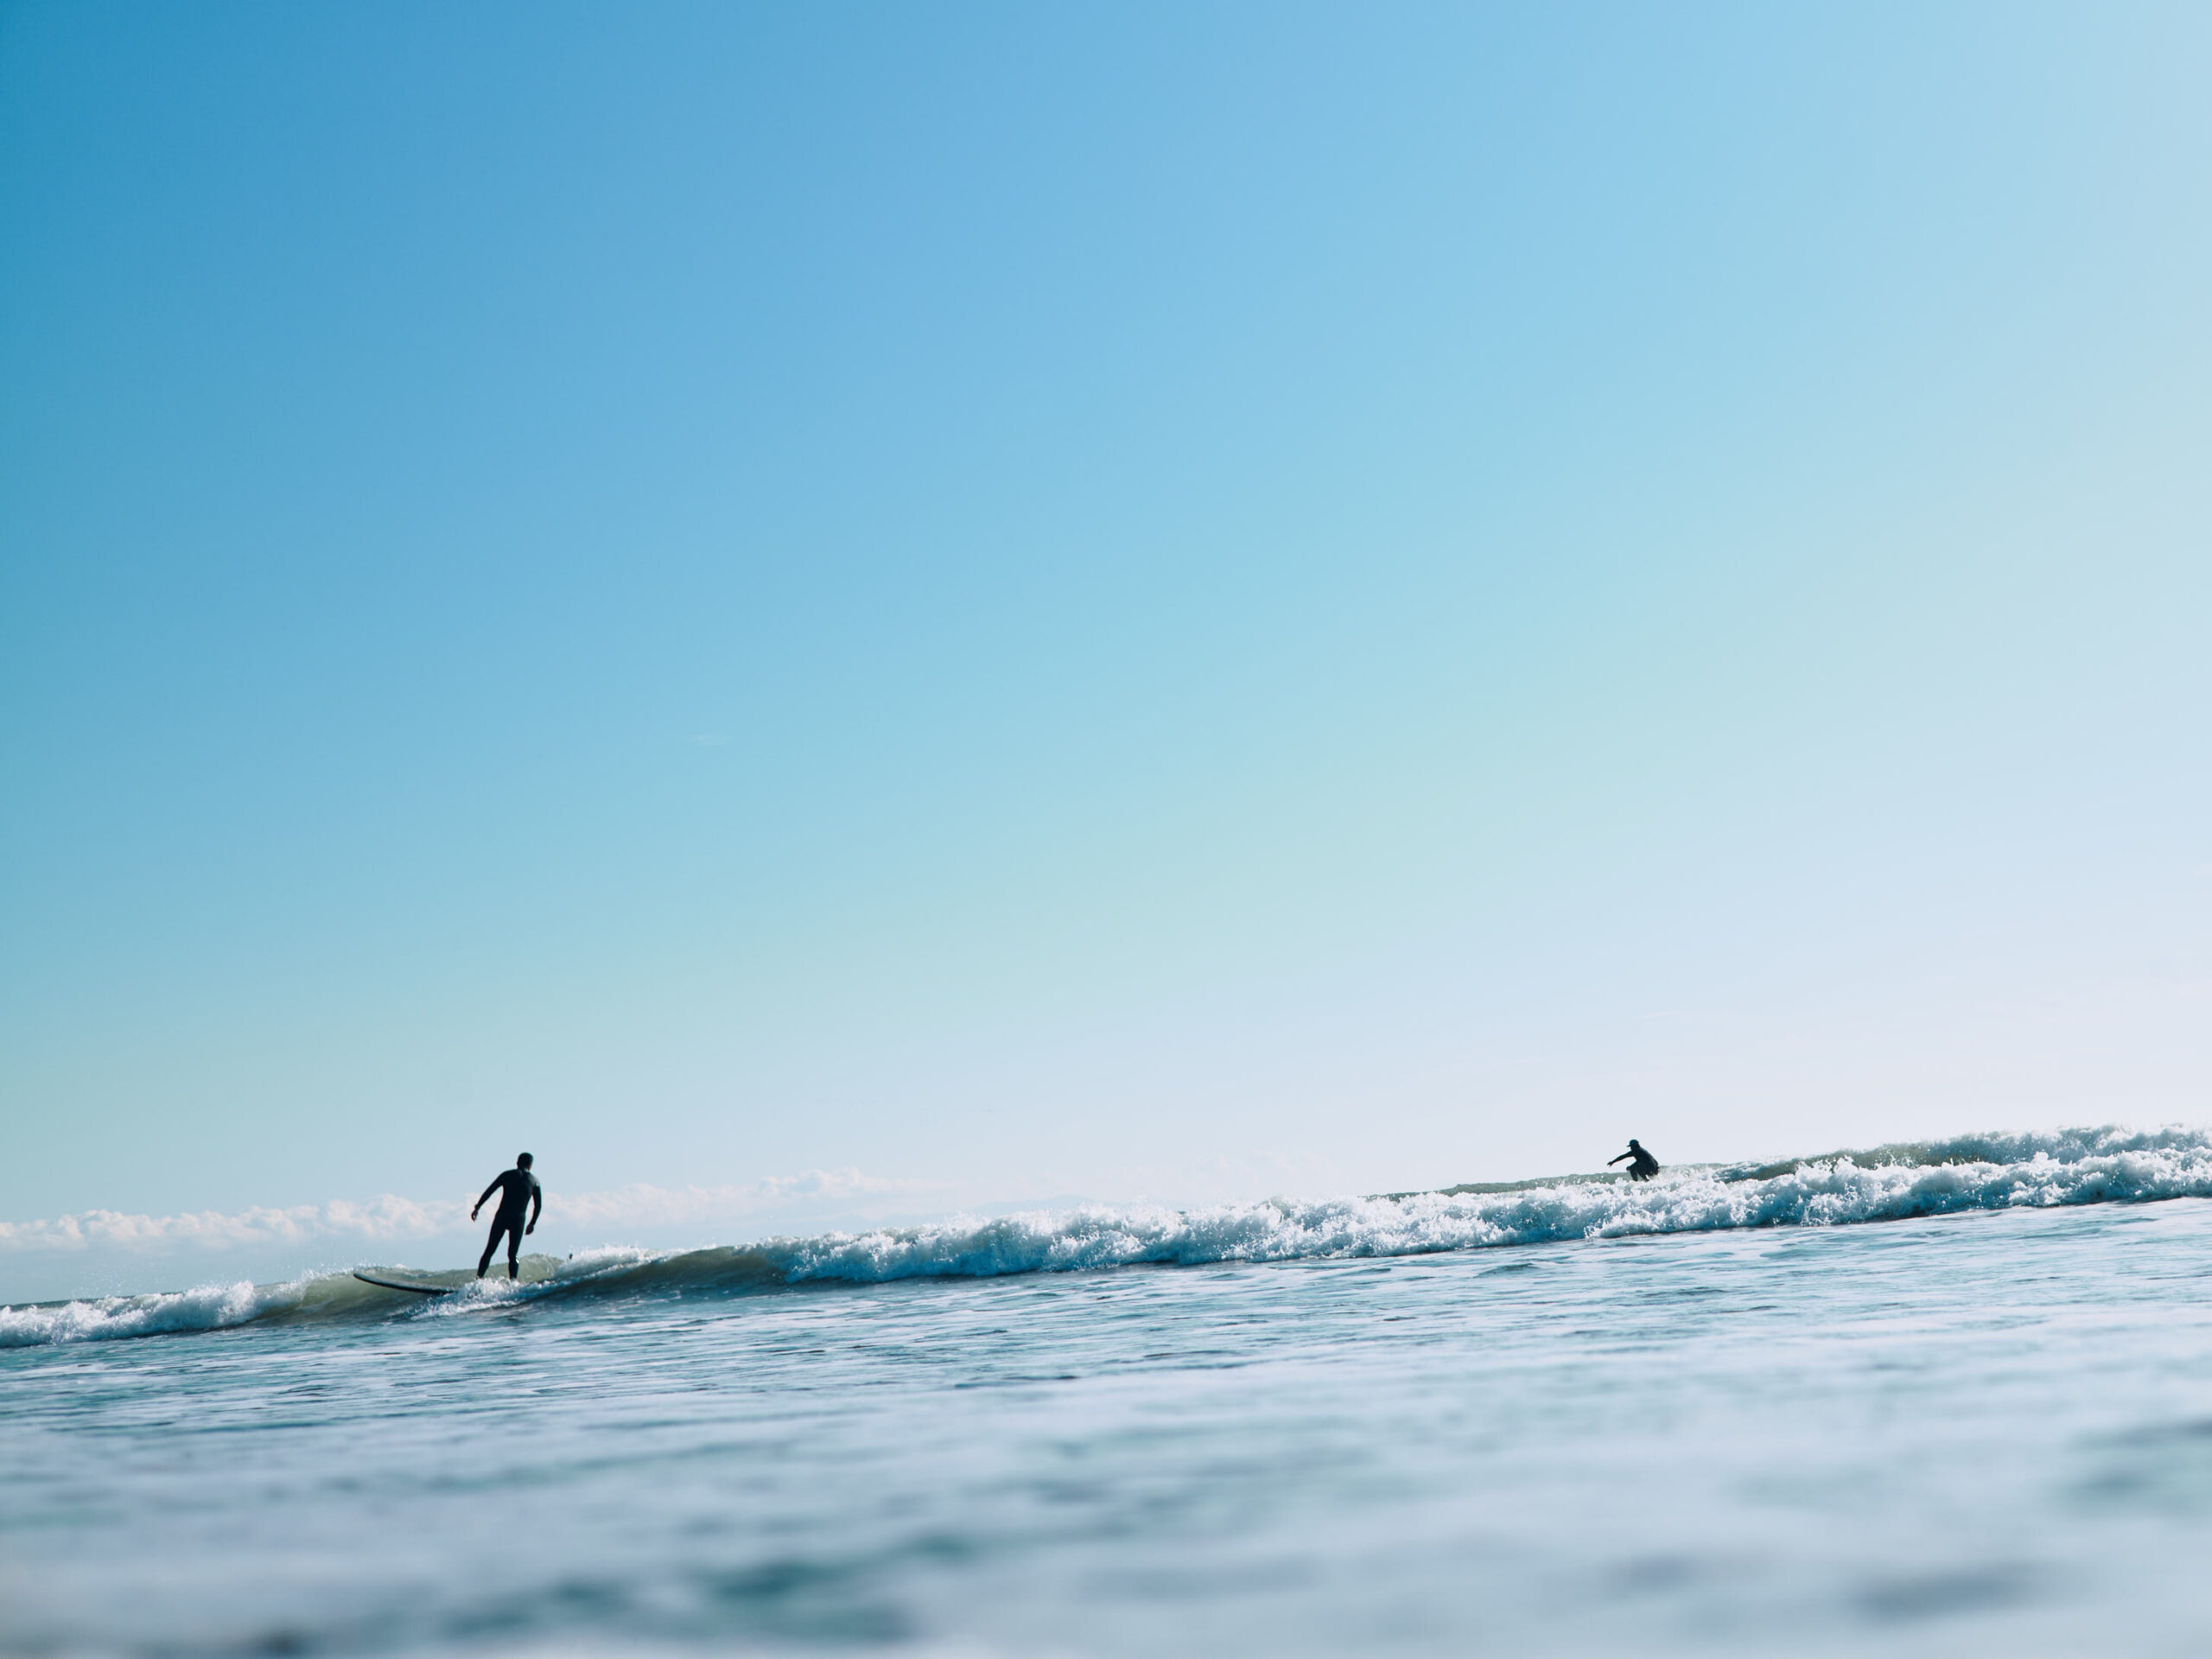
pixel 1966 1173
pixel 1887 1184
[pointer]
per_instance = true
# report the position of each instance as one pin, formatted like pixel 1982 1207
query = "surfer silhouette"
pixel 518 1191
pixel 1642 1165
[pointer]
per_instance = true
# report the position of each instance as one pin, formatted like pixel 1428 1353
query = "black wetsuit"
pixel 518 1191
pixel 1642 1165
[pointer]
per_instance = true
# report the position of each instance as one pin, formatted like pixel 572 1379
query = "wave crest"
pixel 1986 1172
pixel 1964 1172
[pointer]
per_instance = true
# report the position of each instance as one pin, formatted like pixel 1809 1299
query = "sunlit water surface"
pixel 1989 1432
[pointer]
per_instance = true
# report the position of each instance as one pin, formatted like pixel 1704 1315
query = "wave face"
pixel 1889 1183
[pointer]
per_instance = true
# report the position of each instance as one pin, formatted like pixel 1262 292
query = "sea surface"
pixel 1954 1398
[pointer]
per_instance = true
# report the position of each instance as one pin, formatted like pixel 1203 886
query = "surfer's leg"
pixel 490 1245
pixel 514 1246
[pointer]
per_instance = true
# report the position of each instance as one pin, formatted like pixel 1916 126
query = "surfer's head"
pixel 1635 1145
pixel 522 1159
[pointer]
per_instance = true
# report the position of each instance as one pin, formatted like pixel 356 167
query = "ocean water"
pixel 1954 1397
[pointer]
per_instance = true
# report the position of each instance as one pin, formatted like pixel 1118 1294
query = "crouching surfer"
pixel 1642 1166
pixel 518 1191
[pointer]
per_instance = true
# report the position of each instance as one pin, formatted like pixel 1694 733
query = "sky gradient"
pixel 1173 602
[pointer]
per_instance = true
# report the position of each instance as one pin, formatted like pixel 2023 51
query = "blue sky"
pixel 1173 601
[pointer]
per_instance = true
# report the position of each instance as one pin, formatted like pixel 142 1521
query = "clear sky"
pixel 1131 600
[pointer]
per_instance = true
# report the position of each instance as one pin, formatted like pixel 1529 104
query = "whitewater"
pixel 1931 1394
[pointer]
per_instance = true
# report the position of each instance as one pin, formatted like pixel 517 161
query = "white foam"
pixel 207 1308
pixel 1968 1172
pixel 1988 1172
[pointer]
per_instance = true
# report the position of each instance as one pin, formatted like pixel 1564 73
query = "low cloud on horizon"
pixel 389 1217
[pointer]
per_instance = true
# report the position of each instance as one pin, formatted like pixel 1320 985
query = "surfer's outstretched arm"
pixel 482 1197
pixel 1610 1162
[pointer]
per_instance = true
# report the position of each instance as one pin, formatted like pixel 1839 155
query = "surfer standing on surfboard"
pixel 518 1191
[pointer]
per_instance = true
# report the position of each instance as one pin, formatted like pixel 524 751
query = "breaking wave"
pixel 1966 1173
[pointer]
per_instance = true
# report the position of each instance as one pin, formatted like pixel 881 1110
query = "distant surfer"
pixel 518 1191
pixel 1642 1166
